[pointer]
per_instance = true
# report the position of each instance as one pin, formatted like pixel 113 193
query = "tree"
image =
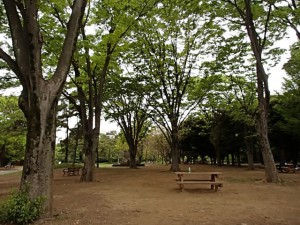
pixel 113 20
pixel 258 21
pixel 169 45
pixel 129 108
pixel 40 94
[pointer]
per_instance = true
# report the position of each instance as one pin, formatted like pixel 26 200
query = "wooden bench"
pixel 213 184
pixel 9 165
pixel 197 178
pixel 71 171
pixel 286 168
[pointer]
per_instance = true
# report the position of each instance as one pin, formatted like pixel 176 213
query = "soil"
pixel 150 196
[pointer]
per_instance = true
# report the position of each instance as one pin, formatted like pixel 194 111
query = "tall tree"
pixel 129 107
pixel 257 19
pixel 168 48
pixel 114 21
pixel 40 94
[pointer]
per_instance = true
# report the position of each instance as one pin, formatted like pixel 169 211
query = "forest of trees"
pixel 187 82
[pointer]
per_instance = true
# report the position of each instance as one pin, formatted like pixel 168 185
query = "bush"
pixel 20 209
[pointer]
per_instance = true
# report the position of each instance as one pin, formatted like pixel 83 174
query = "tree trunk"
pixel 67 142
pixel 250 152
pixel 40 146
pixel 2 152
pixel 132 153
pixel 76 145
pixel 90 148
pixel 232 159
pixel 174 151
pixel 271 174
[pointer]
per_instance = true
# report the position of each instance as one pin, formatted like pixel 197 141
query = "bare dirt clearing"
pixel 150 196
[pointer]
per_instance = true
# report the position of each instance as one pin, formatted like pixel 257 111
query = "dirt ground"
pixel 150 196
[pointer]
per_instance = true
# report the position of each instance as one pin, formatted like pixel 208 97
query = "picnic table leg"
pixel 213 179
pixel 180 178
pixel 216 188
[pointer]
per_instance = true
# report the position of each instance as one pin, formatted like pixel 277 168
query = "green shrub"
pixel 20 209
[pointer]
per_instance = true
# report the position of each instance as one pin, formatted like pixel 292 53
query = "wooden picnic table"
pixel 198 178
pixel 286 168
pixel 71 171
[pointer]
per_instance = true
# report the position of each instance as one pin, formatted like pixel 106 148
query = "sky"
pixel 277 73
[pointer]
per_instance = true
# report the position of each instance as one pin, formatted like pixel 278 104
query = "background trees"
pixel 12 131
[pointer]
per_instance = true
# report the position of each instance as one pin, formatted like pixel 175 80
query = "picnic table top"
pixel 200 173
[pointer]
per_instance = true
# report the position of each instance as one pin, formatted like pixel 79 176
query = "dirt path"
pixel 150 196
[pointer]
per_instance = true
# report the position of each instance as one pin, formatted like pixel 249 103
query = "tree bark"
pixel 250 152
pixel 174 149
pixel 39 153
pixel 249 148
pixel 132 153
pixel 271 174
pixel 91 140
pixel 39 97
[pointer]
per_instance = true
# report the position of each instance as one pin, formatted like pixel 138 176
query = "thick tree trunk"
pixel 174 151
pixel 40 146
pixel 132 153
pixel 132 162
pixel 271 174
pixel 90 149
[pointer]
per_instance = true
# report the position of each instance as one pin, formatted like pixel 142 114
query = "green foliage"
pixel 107 147
pixel 12 129
pixel 20 208
pixel 288 104
pixel 156 147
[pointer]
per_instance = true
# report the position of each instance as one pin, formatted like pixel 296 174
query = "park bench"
pixel 9 165
pixel 213 184
pixel 71 171
pixel 286 168
pixel 197 178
